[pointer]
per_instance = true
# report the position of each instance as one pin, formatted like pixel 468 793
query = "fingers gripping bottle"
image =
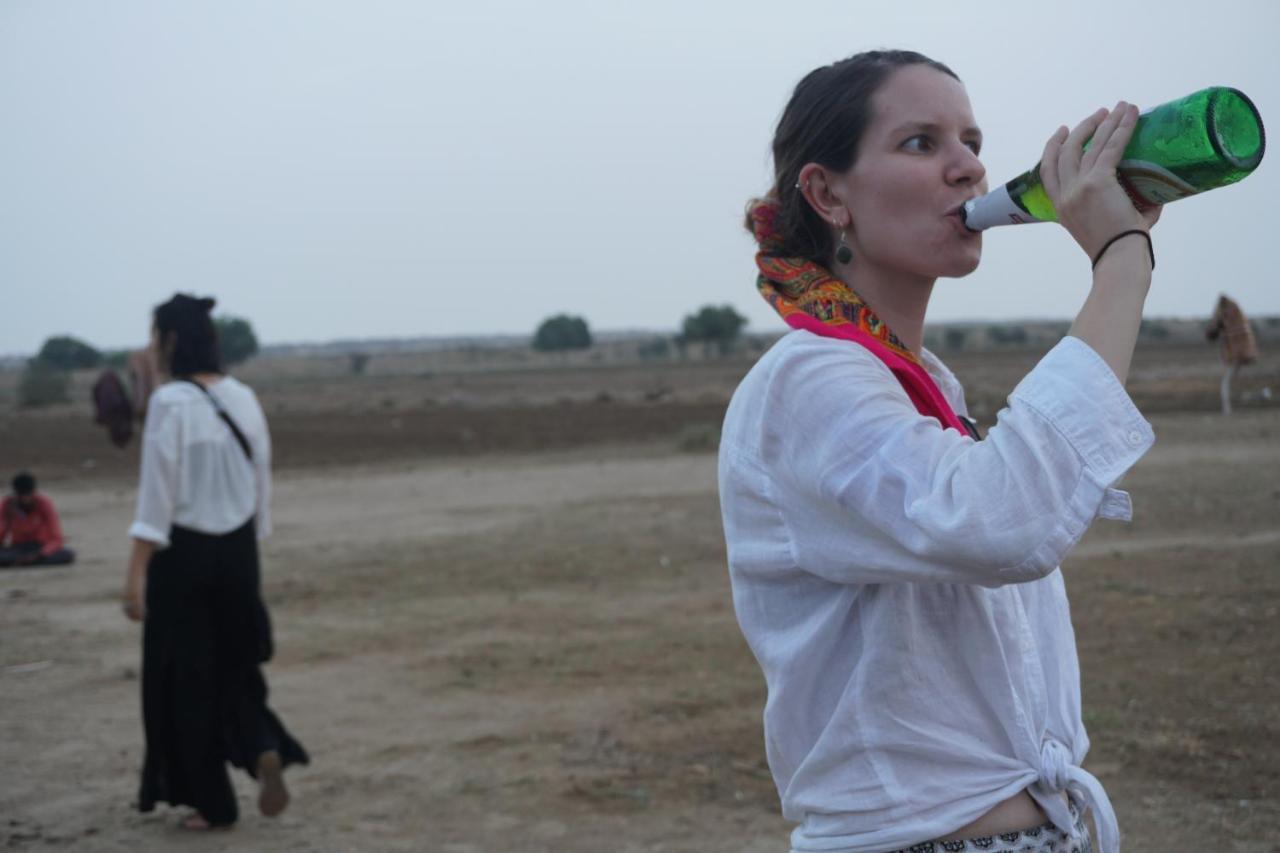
pixel 1206 140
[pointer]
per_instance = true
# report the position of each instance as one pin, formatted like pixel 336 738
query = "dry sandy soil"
pixel 504 623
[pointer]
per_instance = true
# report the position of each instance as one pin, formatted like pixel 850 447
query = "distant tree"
pixel 117 358
pixel 720 326
pixel 656 349
pixel 359 361
pixel 1153 330
pixel 562 332
pixel 236 339
pixel 43 384
pixel 68 353
pixel 1013 335
pixel 955 339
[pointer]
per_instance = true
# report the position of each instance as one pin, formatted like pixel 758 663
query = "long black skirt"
pixel 204 699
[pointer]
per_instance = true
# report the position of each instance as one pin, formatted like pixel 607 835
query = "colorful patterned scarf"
pixel 807 296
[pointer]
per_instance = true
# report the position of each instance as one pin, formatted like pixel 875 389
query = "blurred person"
pixel 117 405
pixel 1236 343
pixel 30 532
pixel 895 575
pixel 193 580
pixel 112 407
pixel 144 376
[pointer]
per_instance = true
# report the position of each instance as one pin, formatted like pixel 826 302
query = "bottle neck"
pixel 995 208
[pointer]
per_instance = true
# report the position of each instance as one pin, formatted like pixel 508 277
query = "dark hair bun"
pixel 186 320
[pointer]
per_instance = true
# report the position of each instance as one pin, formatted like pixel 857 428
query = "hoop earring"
pixel 843 253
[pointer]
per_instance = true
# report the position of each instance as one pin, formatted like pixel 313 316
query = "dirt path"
pixel 538 652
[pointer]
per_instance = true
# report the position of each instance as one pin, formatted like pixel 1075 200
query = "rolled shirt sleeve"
pixel 871 491
pixel 161 472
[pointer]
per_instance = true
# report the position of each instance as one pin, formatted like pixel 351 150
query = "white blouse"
pixel 899 585
pixel 194 473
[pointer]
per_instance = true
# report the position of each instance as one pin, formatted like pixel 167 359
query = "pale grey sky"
pixel 391 168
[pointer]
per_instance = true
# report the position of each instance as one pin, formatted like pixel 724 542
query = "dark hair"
pixel 185 321
pixel 24 484
pixel 823 123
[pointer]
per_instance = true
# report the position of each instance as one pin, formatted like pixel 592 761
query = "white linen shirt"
pixel 194 473
pixel 899 585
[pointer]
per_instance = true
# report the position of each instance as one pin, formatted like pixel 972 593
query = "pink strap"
pixel 914 379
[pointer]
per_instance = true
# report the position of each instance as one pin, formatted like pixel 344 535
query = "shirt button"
pixel 1135 437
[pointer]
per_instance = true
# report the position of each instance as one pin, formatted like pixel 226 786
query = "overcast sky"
pixel 377 168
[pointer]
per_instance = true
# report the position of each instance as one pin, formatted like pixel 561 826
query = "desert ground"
pixel 503 617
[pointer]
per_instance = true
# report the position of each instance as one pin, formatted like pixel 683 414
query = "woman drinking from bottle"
pixel 193 579
pixel 896 575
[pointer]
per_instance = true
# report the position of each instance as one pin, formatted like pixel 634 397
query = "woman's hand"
pixel 1082 184
pixel 134 599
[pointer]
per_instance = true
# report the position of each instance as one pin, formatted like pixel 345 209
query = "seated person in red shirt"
pixel 30 533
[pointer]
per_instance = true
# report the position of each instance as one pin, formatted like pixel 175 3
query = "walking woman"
pixel 895 575
pixel 193 580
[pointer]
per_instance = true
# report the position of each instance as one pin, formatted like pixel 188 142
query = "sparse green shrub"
pixel 1153 330
pixel 955 339
pixel 43 384
pixel 562 332
pixel 655 350
pixel 1007 335
pixel 236 339
pixel 67 353
pixel 716 325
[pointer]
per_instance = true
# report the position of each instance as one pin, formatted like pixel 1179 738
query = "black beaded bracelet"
pixel 1150 248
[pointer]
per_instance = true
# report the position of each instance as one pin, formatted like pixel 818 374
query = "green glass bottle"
pixel 1201 142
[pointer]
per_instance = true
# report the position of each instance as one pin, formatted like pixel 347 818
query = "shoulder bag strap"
pixel 244 442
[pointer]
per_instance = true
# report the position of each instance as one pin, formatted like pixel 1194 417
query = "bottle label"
pixel 995 208
pixel 1153 182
